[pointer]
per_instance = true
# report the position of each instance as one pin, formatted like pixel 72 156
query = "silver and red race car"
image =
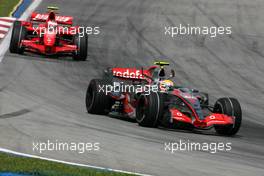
pixel 49 34
pixel 150 97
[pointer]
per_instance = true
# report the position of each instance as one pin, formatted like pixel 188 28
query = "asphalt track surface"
pixel 43 98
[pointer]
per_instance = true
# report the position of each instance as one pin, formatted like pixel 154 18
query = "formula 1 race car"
pixel 150 97
pixel 49 34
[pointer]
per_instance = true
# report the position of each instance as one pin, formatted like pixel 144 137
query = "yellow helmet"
pixel 166 85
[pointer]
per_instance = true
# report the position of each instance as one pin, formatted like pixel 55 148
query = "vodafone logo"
pixel 128 74
pixel 212 117
pixel 179 114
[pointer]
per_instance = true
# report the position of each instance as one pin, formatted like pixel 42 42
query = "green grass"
pixel 6 6
pixel 24 165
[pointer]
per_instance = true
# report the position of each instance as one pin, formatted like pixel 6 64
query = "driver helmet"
pixel 51 16
pixel 165 85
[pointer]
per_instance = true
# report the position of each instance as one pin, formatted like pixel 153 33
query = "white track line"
pixel 69 163
pixel 5 43
pixel 30 9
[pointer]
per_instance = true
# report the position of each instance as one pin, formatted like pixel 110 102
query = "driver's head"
pixel 51 16
pixel 165 85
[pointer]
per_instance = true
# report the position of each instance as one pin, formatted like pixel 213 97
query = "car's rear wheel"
pixel 82 46
pixel 230 107
pixel 97 102
pixel 149 109
pixel 18 34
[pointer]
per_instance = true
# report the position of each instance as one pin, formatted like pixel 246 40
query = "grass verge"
pixel 6 7
pixel 31 166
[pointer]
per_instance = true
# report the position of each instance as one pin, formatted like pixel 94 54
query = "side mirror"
pixel 195 90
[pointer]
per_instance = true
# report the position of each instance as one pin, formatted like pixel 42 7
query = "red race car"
pixel 150 97
pixel 49 34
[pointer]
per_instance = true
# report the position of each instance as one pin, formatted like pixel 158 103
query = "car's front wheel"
pixel 18 34
pixel 230 107
pixel 82 46
pixel 149 109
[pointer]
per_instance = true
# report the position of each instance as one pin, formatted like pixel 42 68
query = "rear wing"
pixel 38 17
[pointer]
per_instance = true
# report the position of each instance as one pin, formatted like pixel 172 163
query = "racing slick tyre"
pixel 149 109
pixel 97 102
pixel 230 107
pixel 82 44
pixel 18 34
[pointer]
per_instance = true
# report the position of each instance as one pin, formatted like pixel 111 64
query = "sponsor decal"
pixel 128 73
pixel 57 18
